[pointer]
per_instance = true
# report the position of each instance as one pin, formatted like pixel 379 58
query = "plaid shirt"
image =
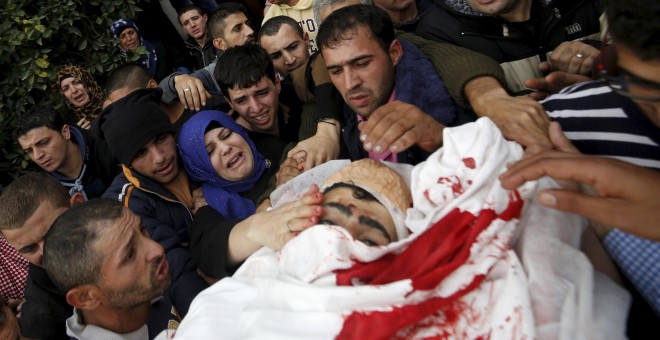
pixel 13 272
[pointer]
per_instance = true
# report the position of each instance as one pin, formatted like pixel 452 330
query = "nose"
pixel 351 79
pixel 248 30
pixel 289 58
pixel 155 251
pixel 255 105
pixel 157 156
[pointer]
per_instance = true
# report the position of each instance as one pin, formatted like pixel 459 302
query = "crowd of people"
pixel 170 179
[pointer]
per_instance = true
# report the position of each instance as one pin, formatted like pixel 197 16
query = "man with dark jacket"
pixel 199 44
pixel 153 183
pixel 28 207
pixel 520 34
pixel 68 153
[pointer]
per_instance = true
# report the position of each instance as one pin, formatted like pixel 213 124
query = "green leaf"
pixel 41 63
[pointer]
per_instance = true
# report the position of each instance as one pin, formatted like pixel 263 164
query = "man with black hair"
pixel 618 116
pixel 228 26
pixel 68 153
pixel 153 183
pixel 199 43
pixel 247 79
pixel 119 282
pixel 28 206
pixel 387 116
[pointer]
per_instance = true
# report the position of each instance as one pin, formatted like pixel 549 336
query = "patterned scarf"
pixel 149 61
pixel 95 92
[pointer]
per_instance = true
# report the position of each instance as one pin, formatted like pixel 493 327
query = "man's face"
pixel 364 217
pixel 158 159
pixel 361 71
pixel 229 153
pixel 642 78
pixel 257 105
pixel 288 50
pixel 74 91
pixel 47 147
pixel 128 39
pixel 237 32
pixel 134 269
pixel 194 23
pixel 29 238
pixel 495 7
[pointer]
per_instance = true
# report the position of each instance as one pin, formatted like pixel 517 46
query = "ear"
pixel 308 42
pixel 278 85
pixel 396 51
pixel 66 131
pixel 220 44
pixel 152 84
pixel 76 199
pixel 85 297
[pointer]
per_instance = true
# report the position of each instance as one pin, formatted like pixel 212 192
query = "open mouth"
pixel 166 170
pixel 261 119
pixel 235 161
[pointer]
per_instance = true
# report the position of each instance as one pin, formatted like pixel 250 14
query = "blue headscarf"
pixel 220 194
pixel 149 62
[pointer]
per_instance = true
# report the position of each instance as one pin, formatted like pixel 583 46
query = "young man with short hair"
pixel 153 183
pixel 199 44
pixel 119 281
pixel 66 152
pixel 300 11
pixel 28 207
pixel 248 81
pixel 397 105
pixel 228 26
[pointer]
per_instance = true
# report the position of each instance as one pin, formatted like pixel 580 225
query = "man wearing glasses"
pixel 618 116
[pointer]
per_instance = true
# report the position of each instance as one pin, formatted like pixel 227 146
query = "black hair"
pixel 127 75
pixel 216 23
pixel 635 24
pixel 273 25
pixel 187 8
pixel 41 116
pixel 242 67
pixel 358 193
pixel 70 257
pixel 343 24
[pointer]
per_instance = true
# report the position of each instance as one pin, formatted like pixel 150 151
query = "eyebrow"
pixel 127 249
pixel 364 220
pixel 354 60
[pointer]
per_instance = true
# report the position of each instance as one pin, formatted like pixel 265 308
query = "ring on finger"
pixel 288 226
pixel 579 55
pixel 186 90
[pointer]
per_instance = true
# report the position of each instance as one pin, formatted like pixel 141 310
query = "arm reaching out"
pixel 626 196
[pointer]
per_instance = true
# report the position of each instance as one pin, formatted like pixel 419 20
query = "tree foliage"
pixel 37 37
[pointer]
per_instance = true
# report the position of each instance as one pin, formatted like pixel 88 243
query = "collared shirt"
pixel 77 330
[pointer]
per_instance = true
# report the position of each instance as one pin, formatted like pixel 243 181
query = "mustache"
pixel 357 91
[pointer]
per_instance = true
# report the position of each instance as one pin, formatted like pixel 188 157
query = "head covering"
pixel 95 92
pixel 385 184
pixel 220 194
pixel 128 124
pixel 149 61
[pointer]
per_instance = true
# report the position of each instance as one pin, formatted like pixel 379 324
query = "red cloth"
pixel 427 261
pixel 13 272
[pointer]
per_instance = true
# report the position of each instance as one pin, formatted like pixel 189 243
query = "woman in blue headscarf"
pixel 236 168
pixel 160 60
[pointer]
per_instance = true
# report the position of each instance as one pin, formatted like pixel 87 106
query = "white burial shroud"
pixel 470 269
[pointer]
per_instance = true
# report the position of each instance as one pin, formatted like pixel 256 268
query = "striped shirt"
pixel 602 122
